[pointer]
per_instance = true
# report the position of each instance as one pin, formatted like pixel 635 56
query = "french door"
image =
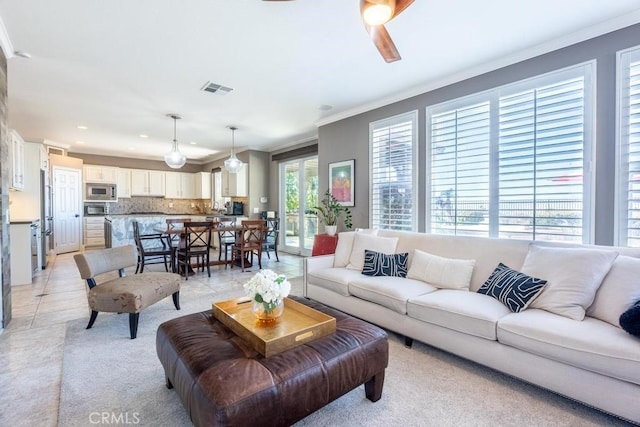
pixel 298 196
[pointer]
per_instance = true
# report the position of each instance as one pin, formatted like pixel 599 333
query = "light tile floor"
pixel 31 347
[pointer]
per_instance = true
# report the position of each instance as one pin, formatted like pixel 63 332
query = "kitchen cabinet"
pixel 124 184
pixel 101 174
pixel 25 238
pixel 147 183
pixel 94 231
pixel 16 161
pixel 179 185
pixel 235 184
pixel 203 185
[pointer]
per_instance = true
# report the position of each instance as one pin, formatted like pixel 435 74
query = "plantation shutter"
pixel 629 167
pixel 541 139
pixel 460 144
pixel 392 147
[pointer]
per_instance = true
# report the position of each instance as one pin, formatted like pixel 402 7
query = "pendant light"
pixel 233 164
pixel 174 158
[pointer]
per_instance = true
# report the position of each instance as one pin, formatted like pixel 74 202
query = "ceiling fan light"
pixel 377 14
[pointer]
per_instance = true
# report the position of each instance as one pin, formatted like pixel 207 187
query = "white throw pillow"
pixel 444 273
pixel 362 241
pixel 573 276
pixel 345 244
pixel 619 290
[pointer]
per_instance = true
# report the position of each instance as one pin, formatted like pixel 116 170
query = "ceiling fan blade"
pixel 401 5
pixel 383 42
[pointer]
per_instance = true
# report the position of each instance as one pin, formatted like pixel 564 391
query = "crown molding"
pixel 5 41
pixel 593 31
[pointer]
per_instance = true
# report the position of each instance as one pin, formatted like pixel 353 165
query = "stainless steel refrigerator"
pixel 46 219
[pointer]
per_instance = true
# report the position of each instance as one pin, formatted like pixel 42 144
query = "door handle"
pixel 77 215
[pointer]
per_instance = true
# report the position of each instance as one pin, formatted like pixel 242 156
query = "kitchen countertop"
pixel 24 220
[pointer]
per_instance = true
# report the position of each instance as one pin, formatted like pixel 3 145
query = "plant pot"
pixel 330 229
pixel 267 313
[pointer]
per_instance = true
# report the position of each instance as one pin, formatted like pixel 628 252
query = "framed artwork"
pixel 342 181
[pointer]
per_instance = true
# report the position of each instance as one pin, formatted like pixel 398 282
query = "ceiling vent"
pixel 216 88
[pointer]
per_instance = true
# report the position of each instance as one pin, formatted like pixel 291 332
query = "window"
pixel 392 169
pixel 628 183
pixel 513 162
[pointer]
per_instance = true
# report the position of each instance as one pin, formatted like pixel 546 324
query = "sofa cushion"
pixel 390 292
pixel 334 279
pixel 364 241
pixel 379 264
pixel 619 290
pixel 573 276
pixel 592 344
pixel 630 320
pixel 447 273
pixel 345 244
pixel 512 288
pixel 461 311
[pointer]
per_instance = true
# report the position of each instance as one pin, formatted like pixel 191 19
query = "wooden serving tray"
pixel 298 324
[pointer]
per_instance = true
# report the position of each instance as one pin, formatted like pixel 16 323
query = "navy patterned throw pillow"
pixel 512 288
pixel 630 320
pixel 379 264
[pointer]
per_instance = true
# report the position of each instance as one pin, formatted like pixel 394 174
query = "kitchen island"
pixel 119 228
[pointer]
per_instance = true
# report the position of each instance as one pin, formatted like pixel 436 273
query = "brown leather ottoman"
pixel 223 381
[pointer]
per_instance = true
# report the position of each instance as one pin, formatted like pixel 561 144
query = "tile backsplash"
pixel 165 206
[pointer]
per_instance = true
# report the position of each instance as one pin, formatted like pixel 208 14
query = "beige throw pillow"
pixel 345 244
pixel 619 290
pixel 362 241
pixel 573 276
pixel 444 273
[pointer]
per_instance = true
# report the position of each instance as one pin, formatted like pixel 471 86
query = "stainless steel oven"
pixel 101 192
pixel 95 209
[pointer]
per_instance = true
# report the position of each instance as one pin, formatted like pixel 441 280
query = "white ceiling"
pixel 119 66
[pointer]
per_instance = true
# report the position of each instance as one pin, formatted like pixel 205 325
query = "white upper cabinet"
pixel 203 185
pixel 180 185
pixel 235 184
pixel 101 174
pixel 124 184
pixel 16 161
pixel 147 183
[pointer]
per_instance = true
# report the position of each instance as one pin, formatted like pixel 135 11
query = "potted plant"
pixel 330 211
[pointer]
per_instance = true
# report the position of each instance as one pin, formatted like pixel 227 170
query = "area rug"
pixel 109 377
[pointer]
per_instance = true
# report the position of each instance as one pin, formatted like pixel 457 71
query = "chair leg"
pixel 259 259
pixel 92 319
pixel 205 259
pixel 137 265
pixel 142 265
pixel 164 258
pixel 275 251
pixel 133 324
pixel 176 299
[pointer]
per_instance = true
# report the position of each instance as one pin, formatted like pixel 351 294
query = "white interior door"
pixel 67 208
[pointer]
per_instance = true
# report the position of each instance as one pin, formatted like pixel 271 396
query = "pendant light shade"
pixel 233 164
pixel 174 158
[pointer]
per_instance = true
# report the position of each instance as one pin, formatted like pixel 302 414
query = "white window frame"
pixel 493 96
pixel 623 62
pixel 411 116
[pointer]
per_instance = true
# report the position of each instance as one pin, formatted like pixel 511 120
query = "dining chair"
pixel 197 243
pixel 248 243
pixel 152 248
pixel 226 238
pixel 271 233
pixel 172 223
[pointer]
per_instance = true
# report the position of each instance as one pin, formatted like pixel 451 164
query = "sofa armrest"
pixel 311 264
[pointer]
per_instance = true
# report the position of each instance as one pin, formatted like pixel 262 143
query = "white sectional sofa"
pixel 591 360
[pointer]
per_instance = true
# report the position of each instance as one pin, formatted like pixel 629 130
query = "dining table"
pixel 181 230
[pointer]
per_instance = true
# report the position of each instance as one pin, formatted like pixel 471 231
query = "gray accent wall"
pixel 349 138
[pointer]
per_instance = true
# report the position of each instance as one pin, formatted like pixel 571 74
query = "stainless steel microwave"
pixel 101 192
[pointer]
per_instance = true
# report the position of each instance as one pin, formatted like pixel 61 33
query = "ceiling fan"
pixel 376 13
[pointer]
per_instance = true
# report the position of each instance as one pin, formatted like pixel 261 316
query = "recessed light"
pixel 324 107
pixel 193 143
pixel 22 54
pixel 131 148
pixel 143 135
pixel 80 142
pixel 82 127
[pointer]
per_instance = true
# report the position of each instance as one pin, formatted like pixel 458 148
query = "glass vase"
pixel 268 312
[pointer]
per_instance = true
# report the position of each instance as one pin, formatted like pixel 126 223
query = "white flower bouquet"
pixel 268 288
